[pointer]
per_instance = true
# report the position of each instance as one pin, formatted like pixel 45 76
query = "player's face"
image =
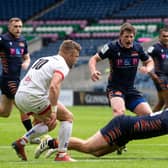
pixel 164 38
pixel 15 28
pixel 73 58
pixel 127 39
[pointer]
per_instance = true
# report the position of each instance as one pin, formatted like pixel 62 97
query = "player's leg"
pixel 27 123
pixel 116 101
pixel 36 131
pixel 165 97
pixel 136 103
pixel 143 108
pixel 6 106
pixel 95 145
pixel 66 118
pixel 39 129
pixel 8 89
pixel 160 102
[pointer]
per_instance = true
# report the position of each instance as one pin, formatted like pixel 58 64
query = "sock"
pixel 36 131
pixel 23 141
pixel 27 124
pixel 52 143
pixel 64 135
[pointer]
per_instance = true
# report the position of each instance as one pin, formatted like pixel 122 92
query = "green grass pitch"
pixel 87 120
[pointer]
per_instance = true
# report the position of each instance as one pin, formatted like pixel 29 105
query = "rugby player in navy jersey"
pixel 159 53
pixel 14 57
pixel 117 133
pixel 123 55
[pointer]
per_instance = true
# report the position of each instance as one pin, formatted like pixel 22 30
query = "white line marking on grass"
pixel 125 159
pixel 9 146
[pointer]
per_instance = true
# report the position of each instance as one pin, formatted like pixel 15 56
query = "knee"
pixel 118 111
pixel 69 117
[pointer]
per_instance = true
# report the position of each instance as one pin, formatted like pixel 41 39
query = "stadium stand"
pixel 91 23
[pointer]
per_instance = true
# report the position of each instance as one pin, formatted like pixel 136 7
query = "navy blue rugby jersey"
pixel 11 54
pixel 159 53
pixel 123 62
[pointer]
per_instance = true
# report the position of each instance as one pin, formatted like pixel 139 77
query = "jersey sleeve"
pixel 105 51
pixel 25 48
pixel 143 56
pixel 63 70
pixel 151 51
pixel 1 42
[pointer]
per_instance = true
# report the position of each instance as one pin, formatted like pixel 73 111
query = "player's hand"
pixel 144 69
pixel 25 65
pixel 52 121
pixel 96 75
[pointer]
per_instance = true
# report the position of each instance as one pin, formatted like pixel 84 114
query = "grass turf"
pixel 87 120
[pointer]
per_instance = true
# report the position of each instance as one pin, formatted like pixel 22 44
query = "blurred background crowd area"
pixel 92 24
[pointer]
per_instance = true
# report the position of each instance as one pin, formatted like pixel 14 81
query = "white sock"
pixel 36 131
pixel 64 135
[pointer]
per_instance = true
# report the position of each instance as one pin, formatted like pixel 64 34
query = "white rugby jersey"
pixel 37 79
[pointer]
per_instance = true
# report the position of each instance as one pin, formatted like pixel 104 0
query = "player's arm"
pixel 54 89
pixel 148 66
pixel 26 61
pixel 95 74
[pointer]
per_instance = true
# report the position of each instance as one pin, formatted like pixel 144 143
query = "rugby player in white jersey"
pixel 38 95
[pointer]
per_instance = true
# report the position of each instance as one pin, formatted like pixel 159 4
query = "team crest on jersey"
pixel 104 49
pixel 21 44
pixel 28 78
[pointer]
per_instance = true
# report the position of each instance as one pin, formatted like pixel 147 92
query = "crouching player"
pixel 117 133
pixel 38 95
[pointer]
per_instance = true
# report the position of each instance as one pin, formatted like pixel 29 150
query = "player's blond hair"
pixel 68 46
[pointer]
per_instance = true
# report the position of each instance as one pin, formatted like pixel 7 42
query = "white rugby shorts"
pixel 27 102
